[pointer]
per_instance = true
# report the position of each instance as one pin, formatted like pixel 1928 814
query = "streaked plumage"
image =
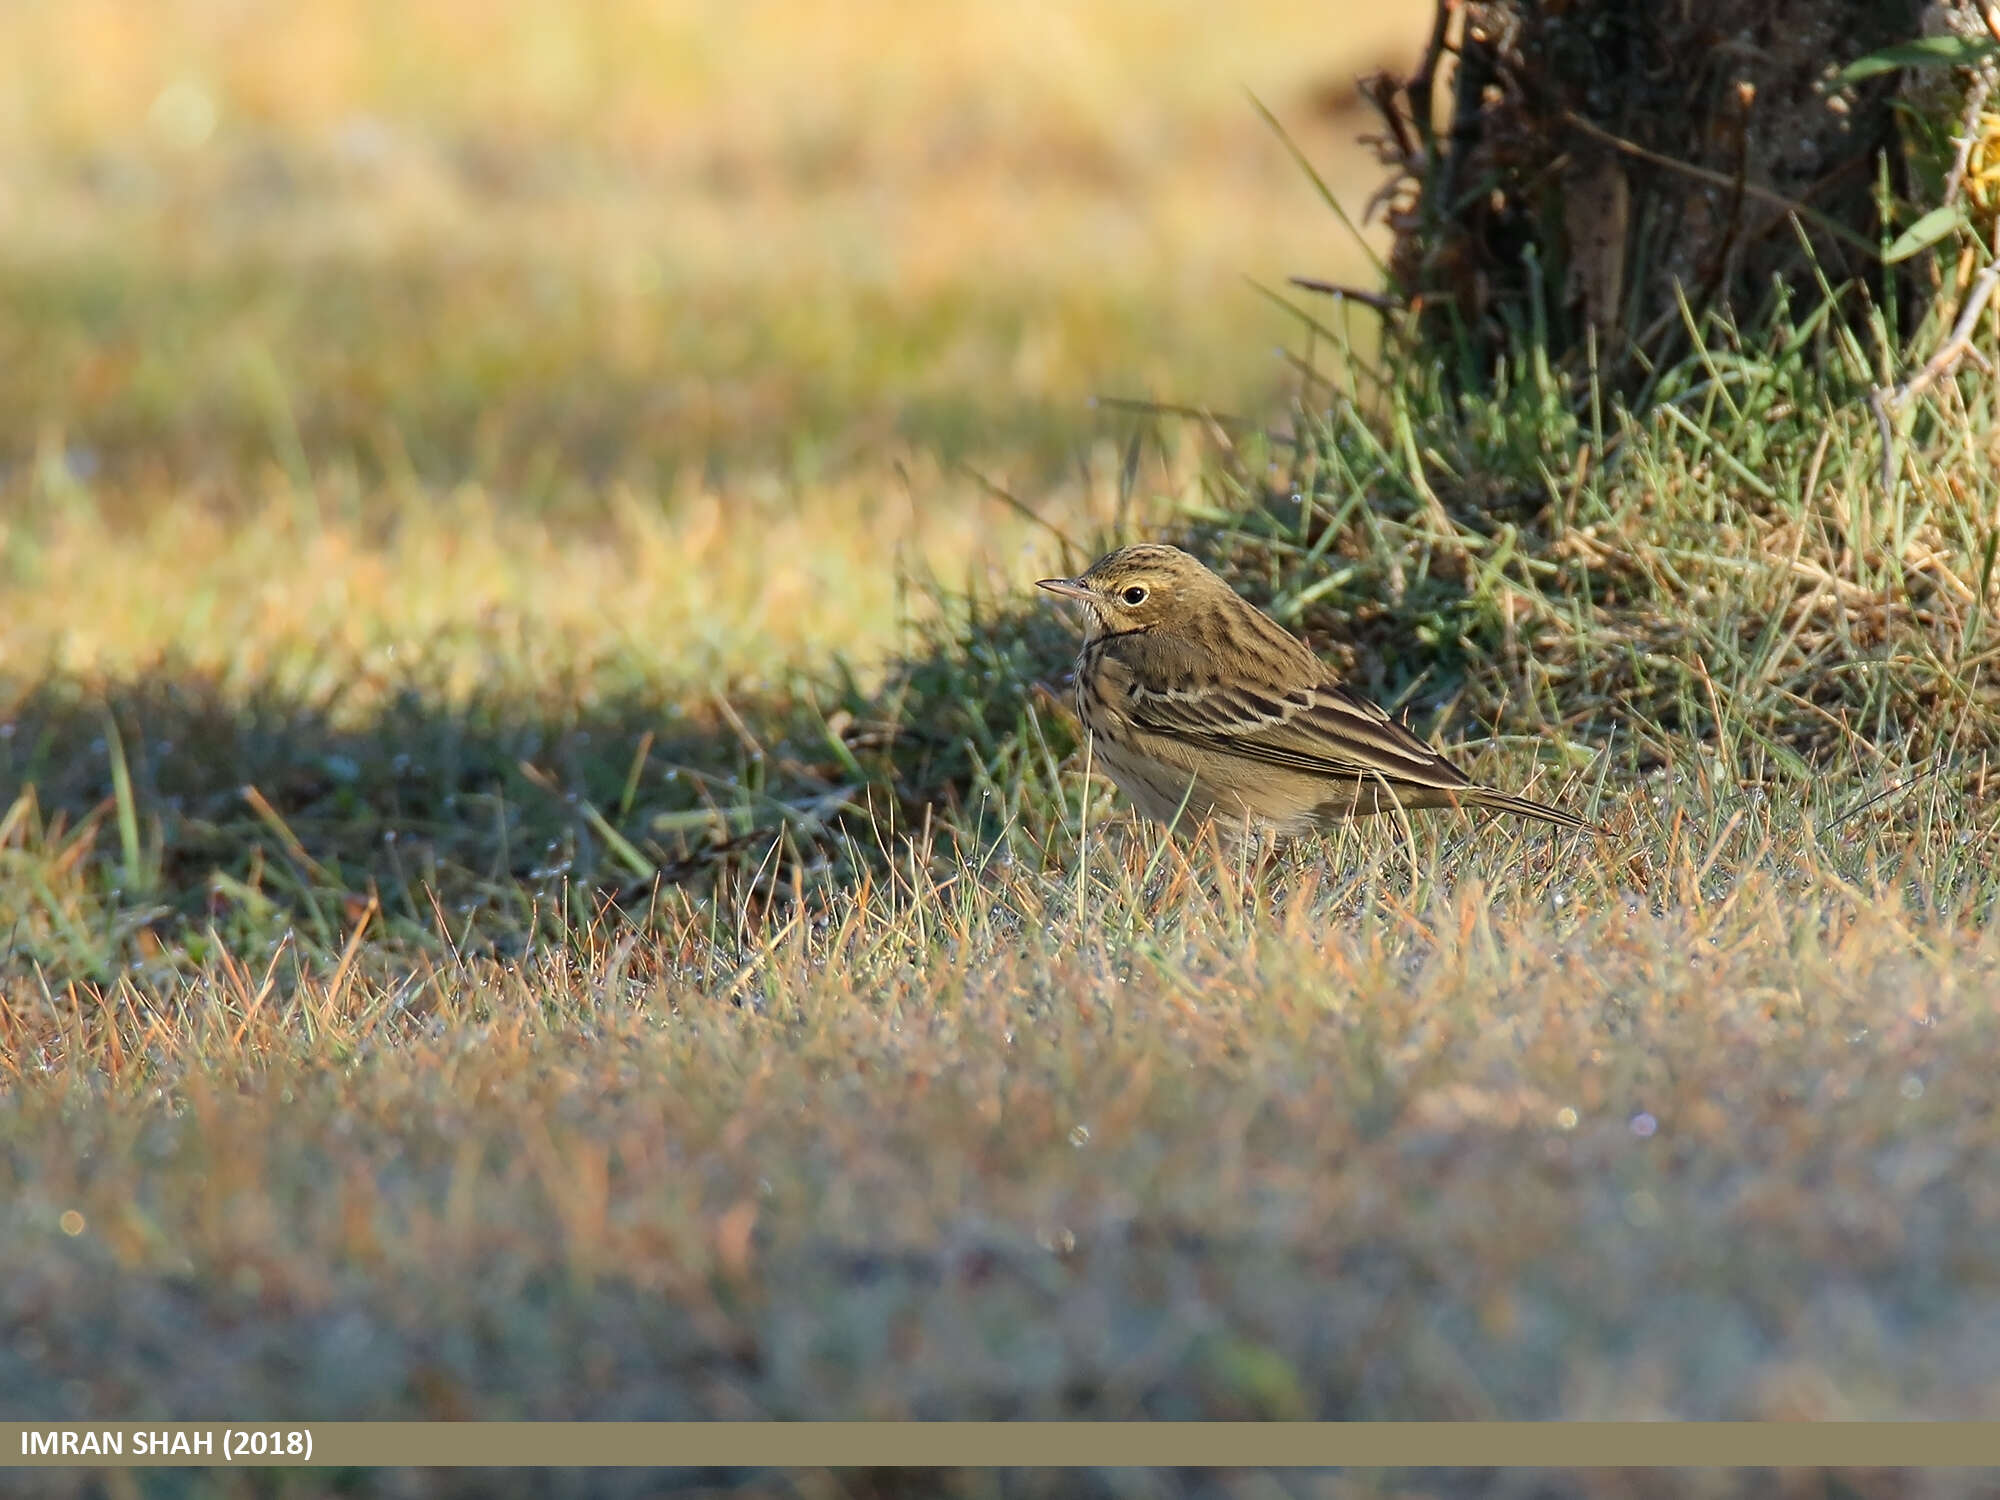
pixel 1200 705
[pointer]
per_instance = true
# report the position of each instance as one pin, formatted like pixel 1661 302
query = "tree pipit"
pixel 1201 706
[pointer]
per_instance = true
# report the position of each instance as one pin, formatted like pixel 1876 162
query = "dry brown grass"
pixel 1510 1141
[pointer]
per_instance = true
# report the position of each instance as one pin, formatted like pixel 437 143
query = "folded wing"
pixel 1323 730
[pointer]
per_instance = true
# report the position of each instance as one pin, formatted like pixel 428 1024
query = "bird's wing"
pixel 1323 730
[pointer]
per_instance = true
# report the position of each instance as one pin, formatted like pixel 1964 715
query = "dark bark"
pixel 1607 161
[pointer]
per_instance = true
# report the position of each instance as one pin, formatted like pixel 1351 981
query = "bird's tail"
pixel 1522 807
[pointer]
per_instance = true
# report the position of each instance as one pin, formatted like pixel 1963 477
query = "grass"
pixel 658 240
pixel 1507 1142
pixel 524 925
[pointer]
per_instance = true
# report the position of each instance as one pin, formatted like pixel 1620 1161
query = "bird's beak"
pixel 1067 588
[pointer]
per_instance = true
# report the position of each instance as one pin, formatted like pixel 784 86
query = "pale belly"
pixel 1162 793
pixel 1182 798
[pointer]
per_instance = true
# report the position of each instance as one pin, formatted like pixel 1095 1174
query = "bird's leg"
pixel 1270 855
pixel 1255 853
pixel 1210 838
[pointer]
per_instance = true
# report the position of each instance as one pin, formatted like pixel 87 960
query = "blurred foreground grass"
pixel 981 1140
pixel 541 866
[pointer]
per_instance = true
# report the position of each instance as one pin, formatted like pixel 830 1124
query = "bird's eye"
pixel 1134 595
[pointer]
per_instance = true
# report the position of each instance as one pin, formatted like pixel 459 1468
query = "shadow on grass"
pixel 145 820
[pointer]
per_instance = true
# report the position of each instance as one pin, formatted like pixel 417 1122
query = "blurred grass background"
pixel 539 244
pixel 323 295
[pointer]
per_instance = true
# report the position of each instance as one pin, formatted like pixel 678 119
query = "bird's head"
pixel 1137 588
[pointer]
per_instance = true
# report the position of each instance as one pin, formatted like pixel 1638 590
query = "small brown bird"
pixel 1199 705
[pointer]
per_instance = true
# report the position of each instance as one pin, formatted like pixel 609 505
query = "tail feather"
pixel 1522 807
